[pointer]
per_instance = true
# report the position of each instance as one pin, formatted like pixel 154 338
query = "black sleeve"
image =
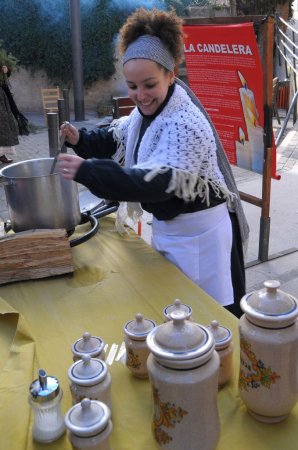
pixel 107 179
pixel 97 143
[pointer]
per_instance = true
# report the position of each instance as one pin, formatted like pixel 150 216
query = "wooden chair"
pixel 122 106
pixel 49 98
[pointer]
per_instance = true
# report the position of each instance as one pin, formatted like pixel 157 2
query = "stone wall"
pixel 26 88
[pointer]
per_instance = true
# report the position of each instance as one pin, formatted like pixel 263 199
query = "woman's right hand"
pixel 70 133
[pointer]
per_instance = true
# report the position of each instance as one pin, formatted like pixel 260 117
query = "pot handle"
pixel 4 182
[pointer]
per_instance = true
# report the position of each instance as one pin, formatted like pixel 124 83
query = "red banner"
pixel 225 72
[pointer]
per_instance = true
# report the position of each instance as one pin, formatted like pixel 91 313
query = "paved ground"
pixel 283 243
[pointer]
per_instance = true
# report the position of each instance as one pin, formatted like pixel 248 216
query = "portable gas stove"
pixel 92 208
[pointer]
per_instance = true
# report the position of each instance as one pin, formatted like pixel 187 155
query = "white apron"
pixel 200 244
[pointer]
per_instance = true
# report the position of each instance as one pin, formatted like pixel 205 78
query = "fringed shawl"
pixel 179 138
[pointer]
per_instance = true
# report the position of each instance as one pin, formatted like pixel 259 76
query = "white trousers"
pixel 200 244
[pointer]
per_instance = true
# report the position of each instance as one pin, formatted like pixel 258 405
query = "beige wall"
pixel 26 90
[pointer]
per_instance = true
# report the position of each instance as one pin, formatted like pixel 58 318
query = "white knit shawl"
pixel 179 138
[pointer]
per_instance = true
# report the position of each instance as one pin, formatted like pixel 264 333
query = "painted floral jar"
pixel 183 369
pixel 225 348
pixel 90 377
pixel 177 305
pixel 269 353
pixel 90 345
pixel 137 352
pixel 89 425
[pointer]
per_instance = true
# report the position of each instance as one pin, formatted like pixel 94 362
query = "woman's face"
pixel 148 84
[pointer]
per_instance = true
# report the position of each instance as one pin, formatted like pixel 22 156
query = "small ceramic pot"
pixel 90 378
pixel 269 353
pixel 88 345
pixel 177 305
pixel 183 370
pixel 137 352
pixel 89 425
pixel 225 348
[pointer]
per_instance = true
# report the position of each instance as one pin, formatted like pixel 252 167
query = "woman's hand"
pixel 70 133
pixel 69 165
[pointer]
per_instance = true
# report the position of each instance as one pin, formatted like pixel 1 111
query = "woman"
pixel 174 164
pixel 8 125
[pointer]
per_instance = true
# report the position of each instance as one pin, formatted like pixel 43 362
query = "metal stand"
pixel 52 121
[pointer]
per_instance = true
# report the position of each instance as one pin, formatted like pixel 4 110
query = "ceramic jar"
pixel 89 425
pixel 183 370
pixel 87 344
pixel 45 401
pixel 137 352
pixel 225 348
pixel 89 377
pixel 269 353
pixel 177 305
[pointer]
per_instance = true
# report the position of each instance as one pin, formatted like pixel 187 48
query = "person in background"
pixel 174 164
pixel 8 124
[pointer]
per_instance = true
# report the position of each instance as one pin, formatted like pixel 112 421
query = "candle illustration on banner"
pixel 243 151
pixel 255 132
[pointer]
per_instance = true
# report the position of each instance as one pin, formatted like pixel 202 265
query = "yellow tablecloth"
pixel 115 277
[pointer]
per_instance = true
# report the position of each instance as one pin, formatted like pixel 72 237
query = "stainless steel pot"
pixel 36 199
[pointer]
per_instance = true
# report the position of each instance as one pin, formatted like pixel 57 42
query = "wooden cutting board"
pixel 34 254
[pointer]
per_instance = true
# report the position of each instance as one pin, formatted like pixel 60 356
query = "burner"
pixel 102 211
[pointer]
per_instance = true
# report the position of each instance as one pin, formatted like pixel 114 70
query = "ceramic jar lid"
pixel 177 305
pixel 44 388
pixel 221 334
pixel 181 343
pixel 139 327
pixel 270 305
pixel 88 371
pixel 88 344
pixel 87 418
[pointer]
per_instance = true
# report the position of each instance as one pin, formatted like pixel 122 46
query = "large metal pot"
pixel 36 199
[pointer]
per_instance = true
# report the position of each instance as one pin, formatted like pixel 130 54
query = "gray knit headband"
pixel 150 47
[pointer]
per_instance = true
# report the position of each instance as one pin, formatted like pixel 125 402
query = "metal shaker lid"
pixel 221 334
pixel 87 418
pixel 177 305
pixel 139 327
pixel 180 339
pixel 87 371
pixel 270 304
pixel 44 388
pixel 92 345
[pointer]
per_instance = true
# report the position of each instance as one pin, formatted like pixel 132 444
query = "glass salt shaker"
pixel 45 401
pixel 89 425
pixel 87 344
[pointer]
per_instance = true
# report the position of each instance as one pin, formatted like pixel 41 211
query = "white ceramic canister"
pixel 269 353
pixel 89 425
pixel 87 344
pixel 183 370
pixel 45 401
pixel 137 352
pixel 225 348
pixel 177 305
pixel 90 378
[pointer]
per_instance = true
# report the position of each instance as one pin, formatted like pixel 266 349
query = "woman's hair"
pixel 167 26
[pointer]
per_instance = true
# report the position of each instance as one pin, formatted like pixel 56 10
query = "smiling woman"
pixel 174 164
